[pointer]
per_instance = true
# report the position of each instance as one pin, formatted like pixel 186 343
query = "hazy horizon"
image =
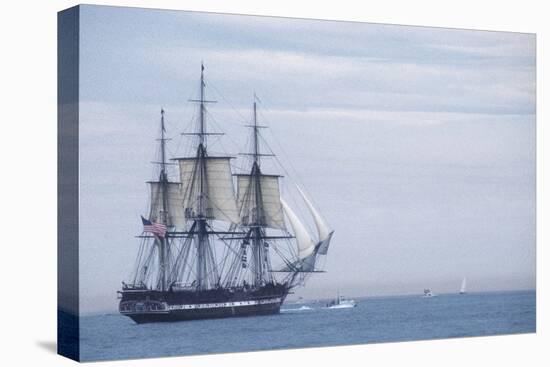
pixel 417 144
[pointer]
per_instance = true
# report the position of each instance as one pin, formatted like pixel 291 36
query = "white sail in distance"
pixel 463 285
pixel 303 239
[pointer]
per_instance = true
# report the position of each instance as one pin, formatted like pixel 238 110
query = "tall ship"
pixel 219 242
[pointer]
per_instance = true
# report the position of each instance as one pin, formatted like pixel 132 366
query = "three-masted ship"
pixel 210 251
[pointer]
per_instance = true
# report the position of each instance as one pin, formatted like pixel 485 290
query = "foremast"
pixel 161 212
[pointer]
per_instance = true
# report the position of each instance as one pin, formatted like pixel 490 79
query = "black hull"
pixel 214 313
pixel 146 306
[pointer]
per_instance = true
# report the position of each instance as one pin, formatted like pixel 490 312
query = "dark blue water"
pixel 374 320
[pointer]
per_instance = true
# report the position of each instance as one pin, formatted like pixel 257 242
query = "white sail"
pixel 323 230
pixel 270 194
pixel 324 244
pixel 174 215
pixel 305 243
pixel 219 194
pixel 463 285
pixel 322 227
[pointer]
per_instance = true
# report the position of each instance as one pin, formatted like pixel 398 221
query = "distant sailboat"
pixel 463 286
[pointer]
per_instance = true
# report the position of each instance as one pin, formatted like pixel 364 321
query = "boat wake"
pixel 341 306
pixel 303 308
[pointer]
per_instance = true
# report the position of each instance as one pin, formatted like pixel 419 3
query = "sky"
pixel 416 143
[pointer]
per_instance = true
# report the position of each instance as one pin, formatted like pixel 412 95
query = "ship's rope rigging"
pixel 291 171
pixel 292 174
pixel 182 255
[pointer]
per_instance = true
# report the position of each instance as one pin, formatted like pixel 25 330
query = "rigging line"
pixel 215 266
pixel 229 272
pixel 170 127
pixel 265 119
pixel 183 252
pixel 210 271
pixel 227 101
pixel 244 119
pixel 210 263
pixel 187 266
pixel 281 255
pixel 297 207
pixel 145 267
pixel 137 263
pixel 227 246
pixel 189 126
pixel 296 177
pixel 173 250
pixel 173 126
pixel 243 162
pixel 222 239
pixel 225 257
pixel 191 270
pixel 174 273
pixel 217 125
pixel 238 273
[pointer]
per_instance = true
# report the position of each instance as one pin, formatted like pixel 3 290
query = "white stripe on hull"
pixel 225 304
pixel 199 306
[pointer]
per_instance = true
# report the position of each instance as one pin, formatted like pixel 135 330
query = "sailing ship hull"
pixel 146 306
pixel 210 313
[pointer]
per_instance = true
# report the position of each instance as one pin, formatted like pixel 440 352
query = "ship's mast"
pixel 256 151
pixel 164 185
pixel 258 232
pixel 202 236
pixel 204 252
pixel 163 182
pixel 200 209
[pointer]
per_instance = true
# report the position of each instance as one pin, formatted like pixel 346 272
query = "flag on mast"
pixel 158 229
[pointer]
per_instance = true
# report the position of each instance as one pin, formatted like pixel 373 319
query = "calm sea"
pixel 374 320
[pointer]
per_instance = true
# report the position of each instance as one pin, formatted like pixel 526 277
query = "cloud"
pixel 305 62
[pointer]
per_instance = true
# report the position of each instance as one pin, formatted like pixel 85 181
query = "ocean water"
pixel 374 320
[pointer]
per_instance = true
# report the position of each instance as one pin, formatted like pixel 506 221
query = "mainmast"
pixel 259 246
pixel 203 210
pixel 202 236
pixel 163 175
pixel 207 194
pixel 256 151
pixel 257 229
pixel 163 182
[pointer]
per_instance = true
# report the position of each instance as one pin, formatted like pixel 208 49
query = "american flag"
pixel 156 228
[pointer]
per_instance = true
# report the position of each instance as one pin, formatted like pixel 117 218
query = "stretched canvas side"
pixel 67 184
